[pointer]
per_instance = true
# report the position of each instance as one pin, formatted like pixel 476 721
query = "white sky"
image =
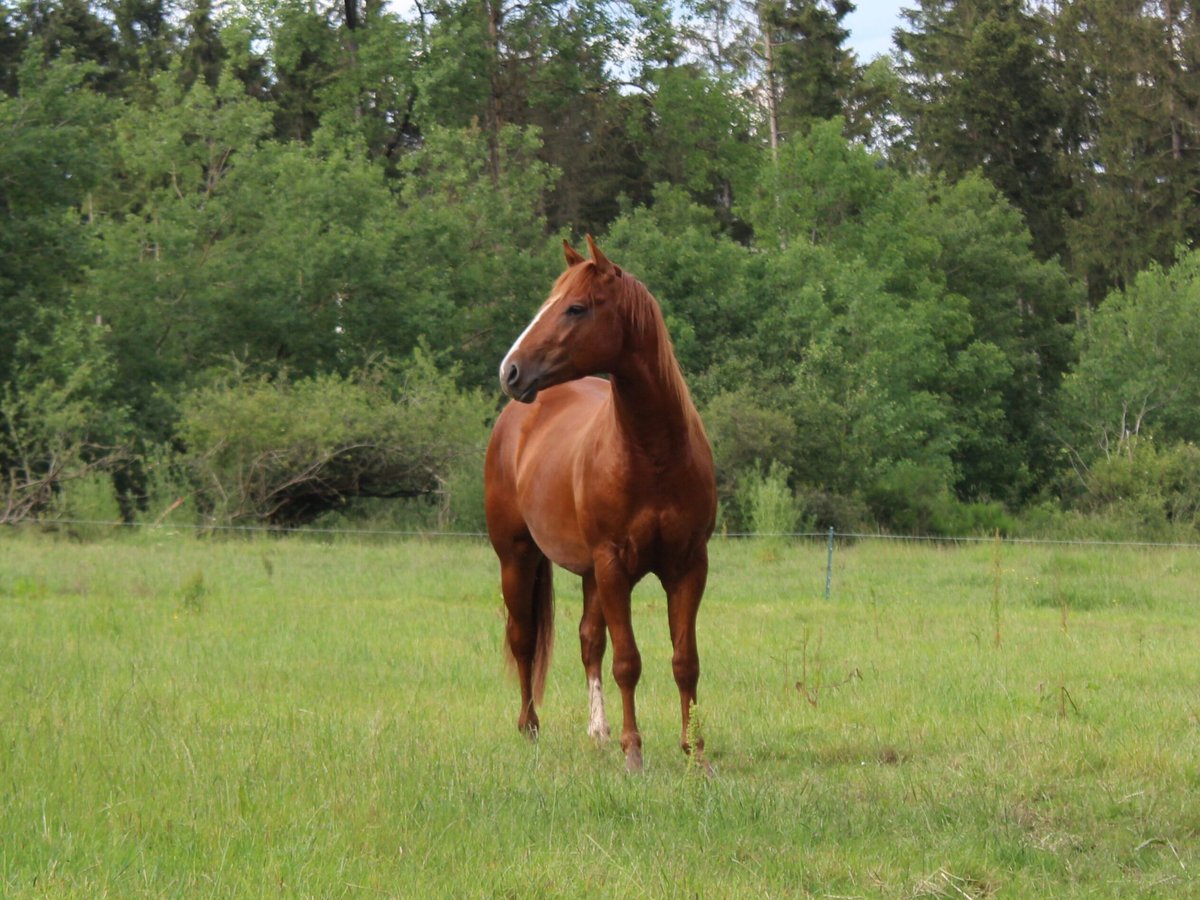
pixel 871 26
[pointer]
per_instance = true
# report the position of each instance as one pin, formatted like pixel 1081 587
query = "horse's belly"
pixel 548 508
pixel 563 549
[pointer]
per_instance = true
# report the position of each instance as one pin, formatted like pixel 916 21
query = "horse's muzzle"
pixel 517 387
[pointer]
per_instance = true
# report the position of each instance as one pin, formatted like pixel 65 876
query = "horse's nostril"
pixel 513 374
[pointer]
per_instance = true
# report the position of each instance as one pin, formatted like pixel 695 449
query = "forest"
pixel 259 258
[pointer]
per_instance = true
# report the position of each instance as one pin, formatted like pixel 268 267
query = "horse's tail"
pixel 543 628
pixel 543 621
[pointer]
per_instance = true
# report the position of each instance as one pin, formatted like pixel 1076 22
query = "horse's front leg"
pixel 613 587
pixel 592 644
pixel 684 590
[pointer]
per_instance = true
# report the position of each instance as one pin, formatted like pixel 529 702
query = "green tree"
pixel 163 250
pixel 203 55
pixel 475 261
pixel 812 68
pixel 1139 353
pixel 697 134
pixel 1023 307
pixel 1134 90
pixel 910 317
pixel 676 248
pixel 54 143
pixel 982 91
pixel 74 28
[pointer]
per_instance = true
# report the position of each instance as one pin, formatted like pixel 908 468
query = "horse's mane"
pixel 646 318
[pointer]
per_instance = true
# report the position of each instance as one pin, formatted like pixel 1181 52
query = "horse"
pixel 610 479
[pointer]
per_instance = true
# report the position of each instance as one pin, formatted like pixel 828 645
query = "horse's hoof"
pixel 633 760
pixel 600 736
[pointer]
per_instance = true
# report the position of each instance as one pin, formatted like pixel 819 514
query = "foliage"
pixel 1138 354
pixel 473 251
pixel 55 427
pixel 767 502
pixel 876 277
pixel 744 433
pixel 282 451
pixel 1133 102
pixel 53 148
pixel 981 92
pixel 1152 490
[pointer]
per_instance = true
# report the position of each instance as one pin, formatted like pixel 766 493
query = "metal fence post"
pixel 829 563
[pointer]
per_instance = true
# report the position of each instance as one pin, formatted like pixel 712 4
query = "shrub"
pixel 284 452
pixel 913 499
pixel 846 515
pixel 905 499
pixel 1153 490
pixel 767 502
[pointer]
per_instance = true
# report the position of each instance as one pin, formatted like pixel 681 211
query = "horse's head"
pixel 578 331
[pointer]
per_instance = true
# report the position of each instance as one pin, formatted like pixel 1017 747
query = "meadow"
pixel 332 717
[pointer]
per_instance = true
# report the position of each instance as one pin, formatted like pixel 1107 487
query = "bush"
pixel 768 505
pixel 953 517
pixel 846 515
pixel 744 434
pixel 284 452
pixel 1151 490
pixel 55 427
pixel 905 499
pixel 912 499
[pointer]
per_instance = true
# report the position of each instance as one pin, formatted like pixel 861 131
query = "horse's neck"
pixel 652 408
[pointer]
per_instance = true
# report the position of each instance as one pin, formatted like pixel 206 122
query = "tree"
pixel 1025 308
pixel 910 319
pixel 982 92
pixel 1133 68
pixel 1138 357
pixel 57 422
pixel 203 55
pixel 54 142
pixel 474 258
pixel 65 28
pixel 696 134
pixel 811 67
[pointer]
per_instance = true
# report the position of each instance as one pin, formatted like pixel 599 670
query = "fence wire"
pixel 731 535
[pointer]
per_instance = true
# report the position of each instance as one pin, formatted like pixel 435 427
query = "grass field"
pixel 187 717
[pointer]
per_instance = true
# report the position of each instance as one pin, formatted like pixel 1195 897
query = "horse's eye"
pixel 575 310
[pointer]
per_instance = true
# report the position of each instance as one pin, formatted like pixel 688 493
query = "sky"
pixel 871 26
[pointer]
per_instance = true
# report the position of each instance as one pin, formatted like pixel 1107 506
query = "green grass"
pixel 290 717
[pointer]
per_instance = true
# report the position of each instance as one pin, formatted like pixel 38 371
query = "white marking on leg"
pixel 517 343
pixel 597 723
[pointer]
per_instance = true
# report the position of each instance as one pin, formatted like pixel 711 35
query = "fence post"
pixel 829 562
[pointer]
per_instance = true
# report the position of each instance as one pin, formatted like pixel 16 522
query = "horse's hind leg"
pixel 684 591
pixel 520 569
pixel 592 644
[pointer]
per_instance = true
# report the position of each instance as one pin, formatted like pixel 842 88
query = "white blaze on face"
pixel 517 343
pixel 597 723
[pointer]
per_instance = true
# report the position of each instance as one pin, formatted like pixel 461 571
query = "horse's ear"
pixel 603 266
pixel 573 256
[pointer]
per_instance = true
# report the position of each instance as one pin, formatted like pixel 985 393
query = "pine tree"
pixel 981 93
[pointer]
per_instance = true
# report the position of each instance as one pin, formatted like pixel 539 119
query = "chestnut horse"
pixel 609 479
